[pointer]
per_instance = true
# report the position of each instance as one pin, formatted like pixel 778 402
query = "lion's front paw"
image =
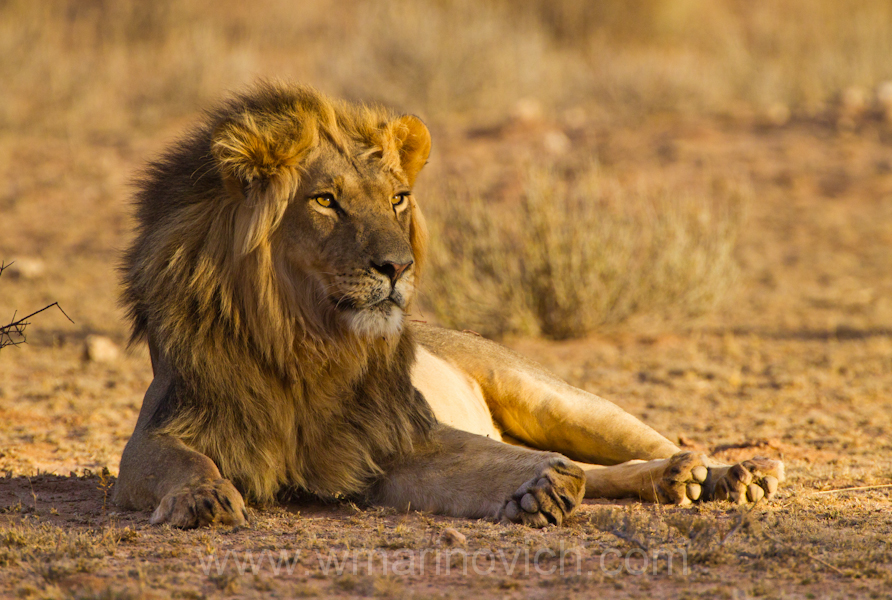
pixel 748 481
pixel 207 503
pixel 680 481
pixel 550 497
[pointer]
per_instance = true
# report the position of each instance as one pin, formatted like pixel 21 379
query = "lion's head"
pixel 293 220
pixel 329 188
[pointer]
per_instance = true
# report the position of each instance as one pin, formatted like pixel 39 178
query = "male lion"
pixel 278 250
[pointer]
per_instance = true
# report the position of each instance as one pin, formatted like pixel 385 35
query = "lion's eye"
pixel 325 200
pixel 398 199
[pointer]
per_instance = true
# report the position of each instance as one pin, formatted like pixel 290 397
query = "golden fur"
pixel 278 250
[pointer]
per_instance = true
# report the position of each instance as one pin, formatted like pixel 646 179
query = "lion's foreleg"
pixel 466 475
pixel 181 486
pixel 160 473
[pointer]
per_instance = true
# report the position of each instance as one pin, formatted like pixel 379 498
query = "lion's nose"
pixel 391 269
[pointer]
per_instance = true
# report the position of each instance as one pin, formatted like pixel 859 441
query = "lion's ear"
pixel 254 149
pixel 260 156
pixel 414 141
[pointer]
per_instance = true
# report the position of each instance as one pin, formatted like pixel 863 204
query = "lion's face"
pixel 319 201
pixel 348 230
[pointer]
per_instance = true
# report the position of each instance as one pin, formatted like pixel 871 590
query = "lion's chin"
pixel 381 320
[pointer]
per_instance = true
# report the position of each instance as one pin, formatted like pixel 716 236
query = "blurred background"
pixel 100 66
pixel 594 161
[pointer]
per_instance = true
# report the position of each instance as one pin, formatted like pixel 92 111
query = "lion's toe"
pixel 210 503
pixel 549 498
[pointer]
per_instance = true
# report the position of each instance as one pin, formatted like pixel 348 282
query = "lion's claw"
pixel 548 498
pixel 208 503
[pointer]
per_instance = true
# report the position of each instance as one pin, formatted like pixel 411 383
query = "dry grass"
pixel 699 55
pixel 689 56
pixel 49 549
pixel 580 252
pixel 72 66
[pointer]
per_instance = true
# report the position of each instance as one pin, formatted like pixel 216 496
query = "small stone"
pixel 100 349
pixel 778 114
pixel 557 142
pixel 854 101
pixel 453 537
pixel 26 268
pixel 527 110
pixel 687 442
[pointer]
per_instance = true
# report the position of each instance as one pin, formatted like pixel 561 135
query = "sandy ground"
pixel 797 365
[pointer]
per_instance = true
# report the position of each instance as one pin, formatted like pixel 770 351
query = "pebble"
pixel 453 537
pixel 100 349
pixel 25 268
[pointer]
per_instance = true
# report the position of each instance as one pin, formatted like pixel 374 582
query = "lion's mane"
pixel 266 383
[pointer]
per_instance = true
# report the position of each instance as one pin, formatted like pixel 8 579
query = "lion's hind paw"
pixel 748 481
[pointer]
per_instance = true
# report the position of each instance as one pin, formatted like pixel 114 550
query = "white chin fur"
pixel 375 322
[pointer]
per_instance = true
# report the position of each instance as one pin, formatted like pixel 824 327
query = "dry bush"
pixel 582 253
pixel 474 278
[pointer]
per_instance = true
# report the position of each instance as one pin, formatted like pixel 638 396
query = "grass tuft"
pixel 581 252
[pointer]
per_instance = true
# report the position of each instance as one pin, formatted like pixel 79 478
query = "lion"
pixel 278 250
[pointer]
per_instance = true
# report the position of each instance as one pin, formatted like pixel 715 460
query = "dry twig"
pixel 853 489
pixel 13 333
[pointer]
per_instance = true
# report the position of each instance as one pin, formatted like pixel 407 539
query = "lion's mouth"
pixel 383 317
pixel 345 303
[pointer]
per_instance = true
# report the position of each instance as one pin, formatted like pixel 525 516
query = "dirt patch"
pixel 59 537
